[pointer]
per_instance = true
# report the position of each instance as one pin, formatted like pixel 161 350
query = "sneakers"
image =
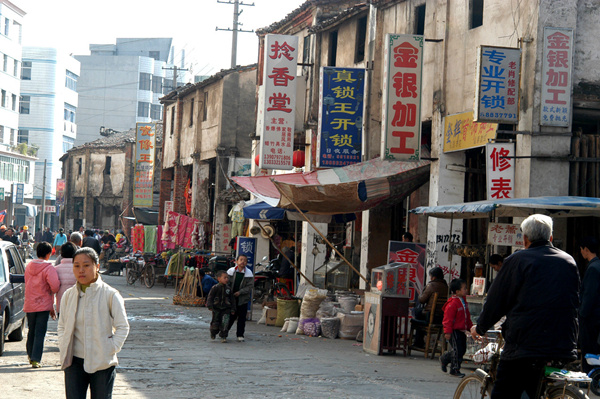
pixel 35 365
pixel 456 374
pixel 443 365
pixel 213 336
pixel 240 339
pixel 223 340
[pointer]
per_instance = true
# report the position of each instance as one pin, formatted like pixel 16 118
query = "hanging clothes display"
pixel 171 230
pixel 150 239
pixel 188 197
pixel 160 246
pixel 175 266
pixel 237 219
pixel 189 233
pixel 183 223
pixel 137 238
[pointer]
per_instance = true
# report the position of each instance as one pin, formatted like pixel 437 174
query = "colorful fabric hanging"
pixel 150 239
pixel 137 238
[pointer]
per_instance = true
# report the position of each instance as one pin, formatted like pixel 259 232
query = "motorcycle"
pixel 266 285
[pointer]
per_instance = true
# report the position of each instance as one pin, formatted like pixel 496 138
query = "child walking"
pixel 220 303
pixel 457 320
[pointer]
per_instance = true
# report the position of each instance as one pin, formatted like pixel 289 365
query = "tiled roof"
pixel 347 13
pixel 119 139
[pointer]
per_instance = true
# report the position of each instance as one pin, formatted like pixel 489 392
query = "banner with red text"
pixel 500 170
pixel 145 141
pixel 275 124
pixel 402 74
pixel 555 109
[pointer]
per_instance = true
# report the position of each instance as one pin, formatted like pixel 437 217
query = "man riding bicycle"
pixel 537 290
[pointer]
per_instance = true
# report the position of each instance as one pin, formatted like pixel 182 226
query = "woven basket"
pixel 188 301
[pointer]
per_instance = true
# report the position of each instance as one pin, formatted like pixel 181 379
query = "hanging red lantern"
pixel 257 159
pixel 298 159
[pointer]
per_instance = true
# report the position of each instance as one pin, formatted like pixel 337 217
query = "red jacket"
pixel 456 316
pixel 41 283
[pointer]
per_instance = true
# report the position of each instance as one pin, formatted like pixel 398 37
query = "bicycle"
pixel 480 383
pixel 139 269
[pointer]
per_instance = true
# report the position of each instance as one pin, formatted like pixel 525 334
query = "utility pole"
pixel 236 25
pixel 175 69
pixel 43 198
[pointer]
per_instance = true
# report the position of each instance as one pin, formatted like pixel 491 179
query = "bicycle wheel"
pixel 571 392
pixel 595 384
pixel 131 274
pixel 149 276
pixel 471 387
pixel 281 291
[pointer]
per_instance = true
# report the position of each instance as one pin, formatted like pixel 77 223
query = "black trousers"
pixel 240 315
pixel 77 381
pixel 220 322
pixel 589 329
pixel 38 325
pixel 458 343
pixel 517 376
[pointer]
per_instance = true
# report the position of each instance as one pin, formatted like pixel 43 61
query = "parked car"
pixel 12 294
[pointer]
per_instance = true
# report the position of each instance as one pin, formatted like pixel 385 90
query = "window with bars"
pixel 71 81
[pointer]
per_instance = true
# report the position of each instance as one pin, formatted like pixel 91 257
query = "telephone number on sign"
pixel 504 115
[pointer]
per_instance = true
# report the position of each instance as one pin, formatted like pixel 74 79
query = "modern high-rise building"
pixel 48 111
pixel 120 84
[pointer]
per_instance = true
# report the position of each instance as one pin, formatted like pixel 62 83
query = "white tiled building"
pixel 48 110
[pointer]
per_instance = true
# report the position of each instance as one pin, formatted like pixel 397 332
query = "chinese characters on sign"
pixel 341 116
pixel 555 109
pixel 505 234
pixel 401 124
pixel 60 192
pixel 275 123
pixel 20 189
pixel 145 142
pixel 500 170
pixel 461 133
pixel 246 246
pixel 413 253
pixel 498 85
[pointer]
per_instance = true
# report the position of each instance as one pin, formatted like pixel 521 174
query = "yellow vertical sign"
pixel 145 143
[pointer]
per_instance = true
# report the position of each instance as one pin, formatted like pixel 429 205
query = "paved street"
pixel 169 355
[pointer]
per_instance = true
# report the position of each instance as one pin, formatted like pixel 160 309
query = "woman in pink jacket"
pixel 41 283
pixel 65 271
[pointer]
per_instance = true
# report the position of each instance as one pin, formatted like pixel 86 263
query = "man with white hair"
pixel 537 289
pixel 76 239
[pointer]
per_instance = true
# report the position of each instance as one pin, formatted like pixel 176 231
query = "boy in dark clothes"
pixel 220 303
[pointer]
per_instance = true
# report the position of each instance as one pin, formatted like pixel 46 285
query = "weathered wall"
pixel 201 206
pixel 169 142
pixel 188 128
pixel 209 136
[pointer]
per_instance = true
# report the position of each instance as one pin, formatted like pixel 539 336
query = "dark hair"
pixel 407 235
pixel 589 242
pixel 219 273
pixel 44 248
pixel 456 285
pixel 89 252
pixel 68 250
pixel 88 233
pixel 201 273
pixel 239 256
pixel 496 259
pixel 437 272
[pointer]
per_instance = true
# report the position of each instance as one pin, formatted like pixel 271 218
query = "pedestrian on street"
pixel 90 242
pixel 59 240
pixel 537 289
pixel 206 282
pixel 221 303
pixel 92 329
pixel 47 236
pixel 65 271
pixel 41 283
pixel 457 322
pixel 76 239
pixel 242 283
pixel 589 311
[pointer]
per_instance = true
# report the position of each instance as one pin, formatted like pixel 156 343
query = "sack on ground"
pixel 311 327
pixel 326 310
pixel 292 325
pixel 330 327
pixel 263 318
pixel 286 309
pixel 350 325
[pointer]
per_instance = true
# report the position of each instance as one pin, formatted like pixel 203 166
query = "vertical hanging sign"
pixel 60 192
pixel 275 124
pixel 145 141
pixel 498 85
pixel 402 74
pixel 555 109
pixel 500 170
pixel 340 116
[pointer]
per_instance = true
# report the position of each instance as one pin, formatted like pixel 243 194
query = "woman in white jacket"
pixel 92 329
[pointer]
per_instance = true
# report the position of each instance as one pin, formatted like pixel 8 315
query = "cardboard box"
pixel 271 317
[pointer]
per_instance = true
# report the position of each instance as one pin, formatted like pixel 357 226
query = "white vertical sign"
pixel 498 85
pixel 276 123
pixel 402 73
pixel 555 109
pixel 500 170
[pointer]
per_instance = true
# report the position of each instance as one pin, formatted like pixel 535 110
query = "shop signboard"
pixel 1 193
pixel 275 123
pixel 20 189
pixel 500 170
pixel 221 237
pixel 145 143
pixel 60 192
pixel 497 94
pixel 246 246
pixel 557 58
pixel 49 208
pixel 168 207
pixel 401 119
pixel 505 234
pixel 461 133
pixel 341 102
pixel 413 253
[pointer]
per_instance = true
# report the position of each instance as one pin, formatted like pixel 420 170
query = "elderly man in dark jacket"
pixel 589 311
pixel 538 291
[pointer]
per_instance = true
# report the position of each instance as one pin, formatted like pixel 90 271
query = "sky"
pixel 72 25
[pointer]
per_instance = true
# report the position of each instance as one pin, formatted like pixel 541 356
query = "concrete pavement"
pixel 169 354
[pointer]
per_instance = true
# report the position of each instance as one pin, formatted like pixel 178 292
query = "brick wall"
pixel 180 179
pixel 166 178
